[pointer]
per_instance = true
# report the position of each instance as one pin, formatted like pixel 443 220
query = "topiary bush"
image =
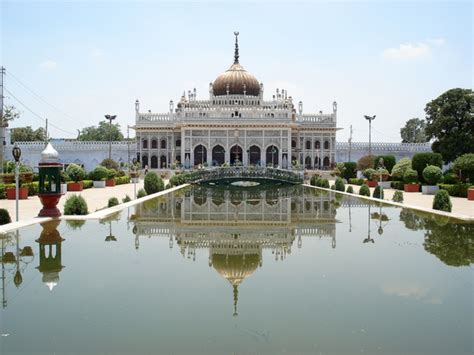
pixel 399 169
pixel 111 173
pixel 153 183
pixel 397 185
pixel 368 173
pixel 464 167
pixel 99 173
pixel 340 185
pixel 350 190
pixel 141 193
pixel 312 181
pixel 410 176
pixel 324 183
pixel 4 217
pixel 75 172
pixel 397 196
pixel 442 201
pixel 388 161
pixel 126 199
pixel 333 187
pixel 350 170
pixel 113 201
pixel 75 205
pixel 421 160
pixel 378 192
pixel 449 177
pixel 432 174
pixel 364 190
pixel 356 181
pixel 110 164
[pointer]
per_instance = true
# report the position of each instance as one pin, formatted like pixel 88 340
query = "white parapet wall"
pixel 359 149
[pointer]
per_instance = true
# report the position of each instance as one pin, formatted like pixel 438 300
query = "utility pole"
pixel 46 133
pixel 370 119
pixel 2 121
pixel 350 145
pixel 110 118
pixel 128 145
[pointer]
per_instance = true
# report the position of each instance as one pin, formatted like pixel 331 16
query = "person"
pixel 146 169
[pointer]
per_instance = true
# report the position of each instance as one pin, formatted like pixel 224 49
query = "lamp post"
pixel 16 152
pixel 248 157
pixel 110 118
pixel 370 119
pixel 134 168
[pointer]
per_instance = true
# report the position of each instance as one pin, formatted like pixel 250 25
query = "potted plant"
pixel 111 174
pixel 385 175
pixel 8 178
pixel 432 175
pixel 10 192
pixel 76 174
pixel 410 178
pixel 26 174
pixel 98 176
pixel 470 193
pixel 64 180
pixel 368 175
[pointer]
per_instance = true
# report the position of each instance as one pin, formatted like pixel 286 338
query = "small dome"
pixel 49 154
pixel 235 268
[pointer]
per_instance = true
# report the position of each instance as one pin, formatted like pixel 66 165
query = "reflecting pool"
pixel 254 270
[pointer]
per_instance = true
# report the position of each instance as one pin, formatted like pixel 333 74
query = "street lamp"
pixel 16 152
pixel 370 119
pixel 110 118
pixel 134 168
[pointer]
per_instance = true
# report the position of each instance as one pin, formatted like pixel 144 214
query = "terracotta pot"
pixel 470 194
pixel 49 202
pixel 411 187
pixel 8 178
pixel 22 193
pixel 371 183
pixel 26 177
pixel 75 186
pixel 110 182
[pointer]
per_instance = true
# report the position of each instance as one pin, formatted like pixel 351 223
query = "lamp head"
pixel 370 118
pixel 16 152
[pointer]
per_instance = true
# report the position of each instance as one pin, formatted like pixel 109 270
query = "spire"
pixel 236 53
pixel 236 298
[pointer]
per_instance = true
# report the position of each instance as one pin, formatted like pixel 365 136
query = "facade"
pixel 236 125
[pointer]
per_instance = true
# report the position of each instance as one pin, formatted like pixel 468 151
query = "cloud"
pixel 48 65
pixel 412 290
pixel 409 51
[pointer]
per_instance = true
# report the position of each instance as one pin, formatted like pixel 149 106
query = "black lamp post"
pixel 370 119
pixel 134 168
pixel 110 118
pixel 16 152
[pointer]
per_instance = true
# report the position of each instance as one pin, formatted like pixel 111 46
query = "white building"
pixel 236 125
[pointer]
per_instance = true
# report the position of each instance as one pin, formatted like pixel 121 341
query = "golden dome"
pixel 235 268
pixel 236 79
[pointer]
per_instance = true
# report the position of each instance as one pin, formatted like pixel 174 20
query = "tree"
pixel 104 132
pixel 27 134
pixel 450 121
pixel 414 131
pixel 9 113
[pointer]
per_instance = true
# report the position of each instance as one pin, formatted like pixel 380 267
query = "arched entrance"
pixel 154 162
pixel 235 155
pixel 326 162
pixel 272 155
pixel 254 155
pixel 307 163
pixel 218 155
pixel 163 162
pixel 144 161
pixel 200 155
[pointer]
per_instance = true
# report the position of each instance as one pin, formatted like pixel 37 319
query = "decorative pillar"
pixel 49 182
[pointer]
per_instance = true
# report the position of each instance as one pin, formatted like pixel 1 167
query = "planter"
pixel 49 202
pixel 411 187
pixel 470 194
pixel 63 188
pixel 110 182
pixel 8 178
pixel 75 186
pixel 386 184
pixel 429 189
pixel 26 177
pixel 371 183
pixel 22 193
pixel 99 184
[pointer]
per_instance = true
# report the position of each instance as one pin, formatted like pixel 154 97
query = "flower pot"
pixel 99 184
pixel 75 186
pixel 49 202
pixel 411 187
pixel 22 193
pixel 8 178
pixel 110 182
pixel 371 183
pixel 429 189
pixel 26 177
pixel 470 194
pixel 63 188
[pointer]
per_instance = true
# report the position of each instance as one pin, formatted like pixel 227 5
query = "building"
pixel 236 125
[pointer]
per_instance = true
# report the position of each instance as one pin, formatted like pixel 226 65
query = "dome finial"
pixel 236 299
pixel 236 53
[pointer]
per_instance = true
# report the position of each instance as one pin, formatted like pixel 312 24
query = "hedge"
pixel 458 190
pixel 122 180
pixel 464 166
pixel 442 201
pixel 87 184
pixel 355 181
pixel 397 185
pixel 421 160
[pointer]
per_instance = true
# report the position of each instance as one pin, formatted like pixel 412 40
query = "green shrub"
pixel 324 183
pixel 313 179
pixel 153 183
pixel 75 172
pixel 365 162
pixel 464 167
pixel 397 185
pixel 75 205
pixel 333 187
pixel 356 181
pixel 410 176
pixel 378 192
pixel 368 173
pixel 2 191
pixel 432 174
pixel 350 190
pixel 141 193
pixel 457 190
pixel 110 164
pixel 388 162
pixel 350 170
pixel 399 168
pixel 364 190
pixel 340 184
pixel 126 199
pixel 421 160
pixel 111 173
pixel 398 196
pixel 99 173
pixel 25 169
pixel 113 201
pixel 33 188
pixel 4 217
pixel 442 201
pixel 449 177
pixel 75 223
pixel 122 180
pixel 87 184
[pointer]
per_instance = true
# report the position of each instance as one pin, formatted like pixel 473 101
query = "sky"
pixel 75 61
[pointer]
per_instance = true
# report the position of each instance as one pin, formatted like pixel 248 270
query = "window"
pixel 145 144
pixel 326 145
pixel 178 142
pixel 308 145
pixel 154 144
pixel 293 144
pixel 317 145
pixel 163 144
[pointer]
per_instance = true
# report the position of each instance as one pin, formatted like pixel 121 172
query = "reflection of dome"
pixel 49 154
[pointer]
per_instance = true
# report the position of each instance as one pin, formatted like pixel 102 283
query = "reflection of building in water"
pixel 236 225
pixel 50 254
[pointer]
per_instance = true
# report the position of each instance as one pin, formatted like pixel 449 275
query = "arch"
pixel 308 145
pixel 326 144
pixel 272 155
pixel 326 162
pixel 254 155
pixel 317 145
pixel 235 155
pixel 154 144
pixel 200 154
pixel 163 162
pixel 218 155
pixel 145 143
pixel 178 159
pixel 178 143
pixel 307 163
pixel 144 161
pixel 293 143
pixel 163 144
pixel 154 162
pixel 316 162
pixel 294 160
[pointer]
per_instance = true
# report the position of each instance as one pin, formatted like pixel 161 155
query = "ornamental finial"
pixel 236 53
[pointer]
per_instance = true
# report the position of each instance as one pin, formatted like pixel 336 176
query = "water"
pixel 267 271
